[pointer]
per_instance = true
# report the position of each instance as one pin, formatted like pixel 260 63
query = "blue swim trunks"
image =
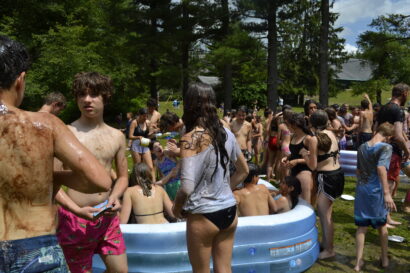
pixel 374 222
pixel 36 254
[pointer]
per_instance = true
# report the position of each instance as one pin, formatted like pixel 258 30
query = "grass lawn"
pixel 345 245
pixel 345 228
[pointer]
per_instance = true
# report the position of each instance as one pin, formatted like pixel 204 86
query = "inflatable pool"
pixel 348 162
pixel 286 242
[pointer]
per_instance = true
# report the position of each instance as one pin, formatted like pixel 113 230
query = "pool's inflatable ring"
pixel 284 242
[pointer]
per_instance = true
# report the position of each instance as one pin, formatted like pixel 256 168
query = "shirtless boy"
pixel 81 238
pixel 29 142
pixel 366 120
pixel 153 115
pixel 253 199
pixel 243 132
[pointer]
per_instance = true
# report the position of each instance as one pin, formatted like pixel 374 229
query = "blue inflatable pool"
pixel 286 242
pixel 348 162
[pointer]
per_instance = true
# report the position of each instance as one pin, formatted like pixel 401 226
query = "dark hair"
pixel 253 171
pixel 331 113
pixel 335 106
pixel 200 110
pixel 249 118
pixel 141 176
pixel 375 105
pixel 93 83
pixel 399 89
pixel 292 181
pixel 55 97
pixel 306 106
pixel 267 112
pixel 319 119
pixel 364 104
pixel 167 119
pixel 152 102
pixel 298 120
pixel 286 107
pixel 286 114
pixel 14 60
pixel 142 111
pixel 242 108
pixel 324 143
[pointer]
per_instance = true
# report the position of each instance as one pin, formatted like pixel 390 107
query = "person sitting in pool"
pixel 143 200
pixel 253 199
pixel 168 168
pixel 288 196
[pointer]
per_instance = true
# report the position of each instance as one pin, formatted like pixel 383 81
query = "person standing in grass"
pixel 373 197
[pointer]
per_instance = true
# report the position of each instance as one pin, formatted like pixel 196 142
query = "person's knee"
pixel 119 269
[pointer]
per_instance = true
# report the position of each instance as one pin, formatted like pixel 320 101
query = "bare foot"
pixel 359 266
pixel 392 222
pixel 406 209
pixel 390 226
pixel 325 254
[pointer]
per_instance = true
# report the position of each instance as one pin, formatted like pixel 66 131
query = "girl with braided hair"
pixel 144 201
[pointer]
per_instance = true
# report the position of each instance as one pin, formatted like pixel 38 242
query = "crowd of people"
pixel 206 173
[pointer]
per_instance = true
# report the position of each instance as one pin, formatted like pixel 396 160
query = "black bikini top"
pixel 139 132
pixel 323 157
pixel 295 149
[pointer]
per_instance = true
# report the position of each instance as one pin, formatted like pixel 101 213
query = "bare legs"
pixel 271 163
pixel 360 239
pixel 324 208
pixel 146 158
pixel 115 263
pixel 205 239
pixel 306 181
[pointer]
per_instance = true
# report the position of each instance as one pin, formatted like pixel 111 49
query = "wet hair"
pixel 142 111
pixel 386 129
pixel 376 105
pixel 200 110
pixel 399 89
pixel 319 120
pixel 287 113
pixel 331 113
pixel 93 83
pixel 335 106
pixel 152 102
pixel 253 171
pixel 141 176
pixel 364 104
pixel 258 118
pixel 343 110
pixel 298 120
pixel 14 60
pixel 168 119
pixel 292 181
pixel 55 97
pixel 306 106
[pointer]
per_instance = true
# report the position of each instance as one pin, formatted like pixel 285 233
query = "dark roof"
pixel 355 70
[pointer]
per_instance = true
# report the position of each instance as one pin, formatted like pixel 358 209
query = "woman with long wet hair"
pixel 323 156
pixel 205 197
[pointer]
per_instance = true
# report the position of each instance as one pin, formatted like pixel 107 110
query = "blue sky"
pixel 356 15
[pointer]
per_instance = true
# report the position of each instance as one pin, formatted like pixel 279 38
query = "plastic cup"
pixel 145 142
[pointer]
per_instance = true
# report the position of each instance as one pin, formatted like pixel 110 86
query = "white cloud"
pixel 352 11
pixel 350 48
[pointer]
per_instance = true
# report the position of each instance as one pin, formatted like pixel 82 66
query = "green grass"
pixel 344 239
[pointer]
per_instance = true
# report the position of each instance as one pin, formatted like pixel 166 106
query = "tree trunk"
pixel 323 54
pixel 227 70
pixel 272 86
pixel 227 85
pixel 153 62
pixel 379 96
pixel 185 51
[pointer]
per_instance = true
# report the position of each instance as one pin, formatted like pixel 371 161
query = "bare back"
pixel 104 142
pixel 26 175
pixel 148 209
pixel 242 132
pixel 253 200
pixel 366 121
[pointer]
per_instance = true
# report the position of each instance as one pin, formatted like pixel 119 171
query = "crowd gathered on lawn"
pixel 66 188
